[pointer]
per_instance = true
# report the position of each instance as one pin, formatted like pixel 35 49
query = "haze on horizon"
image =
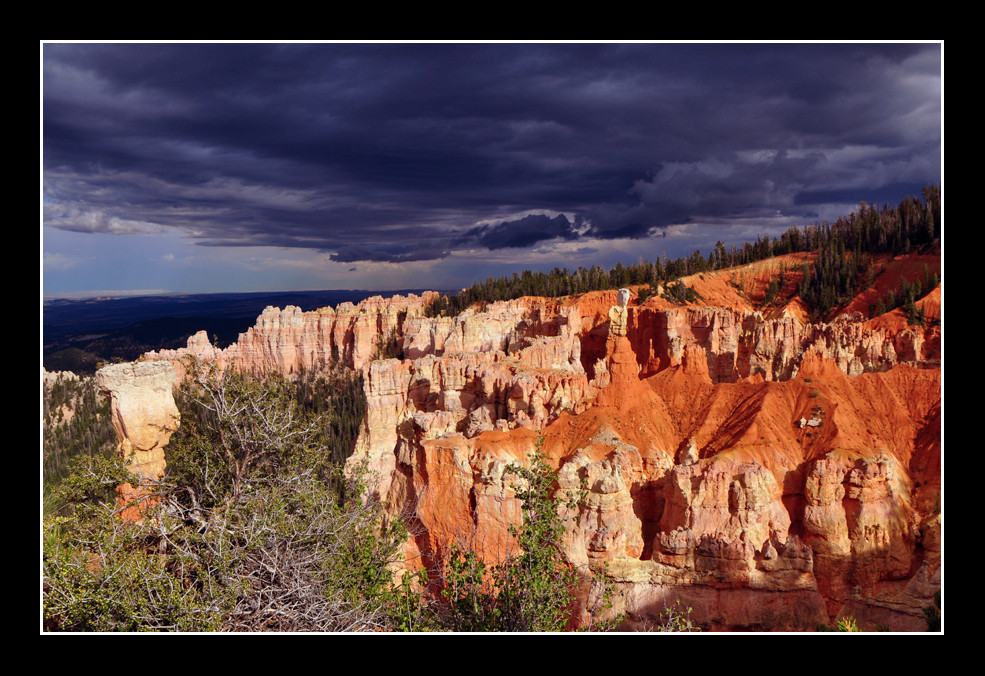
pixel 268 167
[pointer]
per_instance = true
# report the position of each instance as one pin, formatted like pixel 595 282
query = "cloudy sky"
pixel 255 167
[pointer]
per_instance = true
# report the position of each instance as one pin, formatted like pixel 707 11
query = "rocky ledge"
pixel 773 474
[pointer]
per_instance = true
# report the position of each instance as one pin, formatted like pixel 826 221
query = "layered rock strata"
pixel 289 340
pixel 771 473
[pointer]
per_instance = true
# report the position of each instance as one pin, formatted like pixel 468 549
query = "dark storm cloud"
pixel 392 152
pixel 522 232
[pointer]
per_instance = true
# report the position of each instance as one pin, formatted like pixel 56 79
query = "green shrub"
pixel 254 527
pixel 538 584
pixel 677 618
pixel 77 422
pixel 389 347
pixel 681 294
pixel 847 624
pixel 932 614
pixel 531 591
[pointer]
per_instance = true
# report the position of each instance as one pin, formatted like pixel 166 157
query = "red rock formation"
pixel 745 515
pixel 774 474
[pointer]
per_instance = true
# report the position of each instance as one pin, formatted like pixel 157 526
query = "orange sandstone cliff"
pixel 771 473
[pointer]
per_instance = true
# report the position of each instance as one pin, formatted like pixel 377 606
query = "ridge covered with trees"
pixel 842 268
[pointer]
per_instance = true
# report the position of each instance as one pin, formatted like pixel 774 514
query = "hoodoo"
pixel 775 474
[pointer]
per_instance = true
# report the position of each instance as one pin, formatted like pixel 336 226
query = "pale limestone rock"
pixel 687 454
pixel 443 423
pixel 144 412
pixel 859 522
pixel 289 340
pixel 619 314
pixel 49 378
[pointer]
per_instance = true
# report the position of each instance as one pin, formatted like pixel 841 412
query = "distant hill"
pixel 78 334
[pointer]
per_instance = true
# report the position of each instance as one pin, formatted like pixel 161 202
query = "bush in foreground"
pixel 253 528
pixel 530 591
pixel 256 527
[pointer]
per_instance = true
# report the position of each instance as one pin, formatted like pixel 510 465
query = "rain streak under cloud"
pixel 237 167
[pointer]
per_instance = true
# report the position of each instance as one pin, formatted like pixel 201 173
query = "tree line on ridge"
pixel 841 269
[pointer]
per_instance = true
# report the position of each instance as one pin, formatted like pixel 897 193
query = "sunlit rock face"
pixel 288 340
pixel 770 473
pixel 144 412
pixel 144 416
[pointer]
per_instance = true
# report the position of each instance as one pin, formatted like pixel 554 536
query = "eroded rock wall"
pixel 288 340
pixel 741 344
pixel 773 474
pixel 702 446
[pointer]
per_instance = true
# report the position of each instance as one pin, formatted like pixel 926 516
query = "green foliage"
pixel 847 624
pixel 254 527
pixel 914 315
pixel 409 609
pixel 599 602
pixel 906 297
pixel 538 584
pixel 125 588
pixel 531 591
pixel 470 593
pixel 843 266
pixel 234 426
pixel 773 289
pixel 841 269
pixel 92 481
pixel 77 423
pixel 390 346
pixel 677 618
pixel 102 573
pixel 335 403
pixel 679 293
pixel 932 613
pixel 235 430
